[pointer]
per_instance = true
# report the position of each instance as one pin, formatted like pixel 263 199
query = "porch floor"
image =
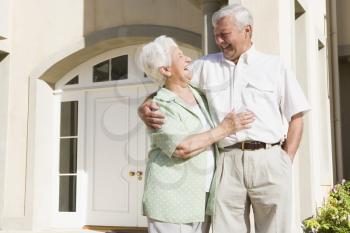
pixel 87 229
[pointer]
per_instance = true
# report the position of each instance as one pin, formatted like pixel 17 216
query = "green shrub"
pixel 334 216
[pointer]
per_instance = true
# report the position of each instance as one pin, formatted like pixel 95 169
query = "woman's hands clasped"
pixel 234 122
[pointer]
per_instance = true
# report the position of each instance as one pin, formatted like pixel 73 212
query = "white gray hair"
pixel 155 55
pixel 240 14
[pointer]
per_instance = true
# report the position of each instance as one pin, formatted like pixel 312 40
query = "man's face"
pixel 232 40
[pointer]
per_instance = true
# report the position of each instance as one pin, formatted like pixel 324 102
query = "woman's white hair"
pixel 155 55
pixel 240 14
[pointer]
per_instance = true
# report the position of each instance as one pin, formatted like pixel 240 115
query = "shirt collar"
pixel 167 95
pixel 247 57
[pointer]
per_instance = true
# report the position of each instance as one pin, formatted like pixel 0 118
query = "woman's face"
pixel 179 66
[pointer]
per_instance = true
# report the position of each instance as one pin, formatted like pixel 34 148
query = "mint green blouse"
pixel 175 188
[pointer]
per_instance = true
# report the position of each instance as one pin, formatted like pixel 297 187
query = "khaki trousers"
pixel 261 179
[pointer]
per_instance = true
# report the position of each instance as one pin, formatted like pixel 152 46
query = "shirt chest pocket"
pixel 258 92
pixel 219 97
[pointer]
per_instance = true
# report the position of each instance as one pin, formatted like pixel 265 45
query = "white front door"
pixel 116 148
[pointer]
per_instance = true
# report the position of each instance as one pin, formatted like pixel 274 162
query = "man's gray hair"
pixel 240 14
pixel 155 55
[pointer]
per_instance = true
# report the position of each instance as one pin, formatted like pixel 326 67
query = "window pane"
pixel 68 188
pixel 101 72
pixel 73 81
pixel 120 68
pixel 68 155
pixel 69 118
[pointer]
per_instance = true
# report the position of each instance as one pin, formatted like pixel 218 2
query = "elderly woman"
pixel 181 161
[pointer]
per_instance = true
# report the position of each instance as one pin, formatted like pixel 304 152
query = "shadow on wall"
pixel 344 75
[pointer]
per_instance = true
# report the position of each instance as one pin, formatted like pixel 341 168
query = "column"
pixel 208 40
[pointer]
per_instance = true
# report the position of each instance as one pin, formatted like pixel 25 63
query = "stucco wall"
pixel 301 70
pixel 4 18
pixel 44 158
pixel 266 21
pixel 37 30
pixel 110 13
pixel 4 74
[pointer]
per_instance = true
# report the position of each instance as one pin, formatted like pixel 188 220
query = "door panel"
pixel 117 144
pixel 111 143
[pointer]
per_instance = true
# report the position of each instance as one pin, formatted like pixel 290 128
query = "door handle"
pixel 139 175
pixel 131 173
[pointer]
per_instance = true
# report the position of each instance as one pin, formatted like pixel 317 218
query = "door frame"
pixel 71 219
pixel 78 219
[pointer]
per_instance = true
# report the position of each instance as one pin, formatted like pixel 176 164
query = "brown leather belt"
pixel 251 145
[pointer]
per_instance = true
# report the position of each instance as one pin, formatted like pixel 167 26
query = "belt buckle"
pixel 242 146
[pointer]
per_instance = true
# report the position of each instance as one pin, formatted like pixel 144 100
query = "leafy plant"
pixel 334 216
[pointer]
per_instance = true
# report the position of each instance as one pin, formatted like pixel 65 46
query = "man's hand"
pixel 150 116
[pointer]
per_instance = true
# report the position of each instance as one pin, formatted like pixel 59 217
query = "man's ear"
pixel 165 71
pixel 248 30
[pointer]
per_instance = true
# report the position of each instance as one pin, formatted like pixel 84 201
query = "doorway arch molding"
pixel 59 63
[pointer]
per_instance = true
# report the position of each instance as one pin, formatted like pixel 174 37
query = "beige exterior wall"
pixel 265 36
pixel 4 18
pixel 4 81
pixel 40 187
pixel 37 30
pixel 4 74
pixel 110 13
pixel 321 155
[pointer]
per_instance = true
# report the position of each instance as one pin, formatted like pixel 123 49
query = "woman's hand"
pixel 197 143
pixel 235 122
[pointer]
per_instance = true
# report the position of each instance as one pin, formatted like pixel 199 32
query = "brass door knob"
pixel 139 175
pixel 131 173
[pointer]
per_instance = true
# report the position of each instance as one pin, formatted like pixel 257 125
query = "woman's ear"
pixel 165 71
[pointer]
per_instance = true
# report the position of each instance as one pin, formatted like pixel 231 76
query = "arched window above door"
pixel 73 81
pixel 112 68
pixel 115 67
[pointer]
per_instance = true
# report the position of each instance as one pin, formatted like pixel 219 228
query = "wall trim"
pixel 151 31
pixel 59 63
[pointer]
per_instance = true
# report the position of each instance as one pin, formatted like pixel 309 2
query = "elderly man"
pixel 255 163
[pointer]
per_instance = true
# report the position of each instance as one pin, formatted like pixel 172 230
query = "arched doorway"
pixel 102 145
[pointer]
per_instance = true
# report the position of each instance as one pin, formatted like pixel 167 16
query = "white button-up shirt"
pixel 258 82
